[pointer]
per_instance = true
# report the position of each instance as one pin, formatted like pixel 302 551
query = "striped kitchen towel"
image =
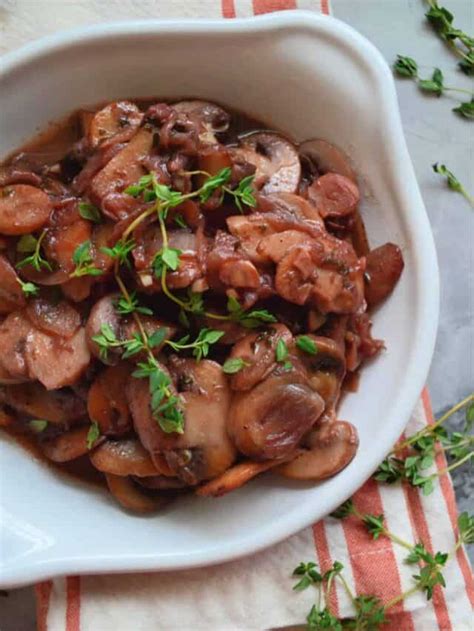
pixel 255 593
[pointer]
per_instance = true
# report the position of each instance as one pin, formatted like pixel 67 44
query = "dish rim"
pixel 426 267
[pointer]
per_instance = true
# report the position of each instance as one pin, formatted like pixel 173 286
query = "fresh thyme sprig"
pixel 408 68
pixel 201 344
pixel 370 613
pixel 29 289
pixel 453 183
pixel 93 435
pixel 29 244
pixel 410 458
pixel 90 212
pixel 458 41
pixel 120 251
pixel 82 259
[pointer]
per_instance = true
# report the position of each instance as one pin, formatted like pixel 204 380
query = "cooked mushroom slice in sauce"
pixel 330 448
pixel 257 351
pixel 269 421
pixel 276 160
pixel 116 122
pixel 60 407
pixel 384 268
pixel 23 209
pixel 123 457
pixel 68 446
pixel 327 158
pixel 184 295
pixel 129 495
pixel 204 449
pixel 235 477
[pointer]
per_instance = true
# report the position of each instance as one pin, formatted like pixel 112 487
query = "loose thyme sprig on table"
pixel 409 459
pixel 407 67
pixel 457 40
pixel 453 183
pixel 369 612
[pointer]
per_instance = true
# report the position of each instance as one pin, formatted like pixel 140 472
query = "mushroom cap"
pixel 128 495
pixel 277 163
pixel 332 446
pixel 116 122
pixel 123 457
pixel 269 421
pixel 257 350
pixel 327 158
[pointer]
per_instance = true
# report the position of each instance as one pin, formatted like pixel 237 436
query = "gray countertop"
pixel 434 134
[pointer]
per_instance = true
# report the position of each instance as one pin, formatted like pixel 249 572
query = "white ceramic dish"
pixel 311 77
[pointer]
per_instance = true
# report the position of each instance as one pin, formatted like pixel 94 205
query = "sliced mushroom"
pixel 258 351
pixel 44 277
pixel 130 497
pixel 67 446
pixel 78 289
pixel 235 477
pixel 62 241
pixel 116 122
pixel 239 274
pixel 212 118
pixel 326 274
pixel 269 421
pixel 23 209
pixel 123 169
pixel 331 447
pixel 11 293
pixel 107 401
pixel 14 333
pixel 384 268
pixel 276 246
pixel 325 369
pixel 123 457
pixel 104 313
pixel 276 160
pixel 62 407
pixel 60 319
pixel 290 204
pixel 56 362
pixel 295 274
pixel 251 229
pixel 204 450
pixel 334 196
pixel 327 158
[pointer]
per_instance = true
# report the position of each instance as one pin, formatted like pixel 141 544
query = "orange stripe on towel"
pixel 371 558
pixel 268 6
pixel 325 561
pixel 422 532
pixel 325 7
pixel 73 603
pixel 43 595
pixel 228 9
